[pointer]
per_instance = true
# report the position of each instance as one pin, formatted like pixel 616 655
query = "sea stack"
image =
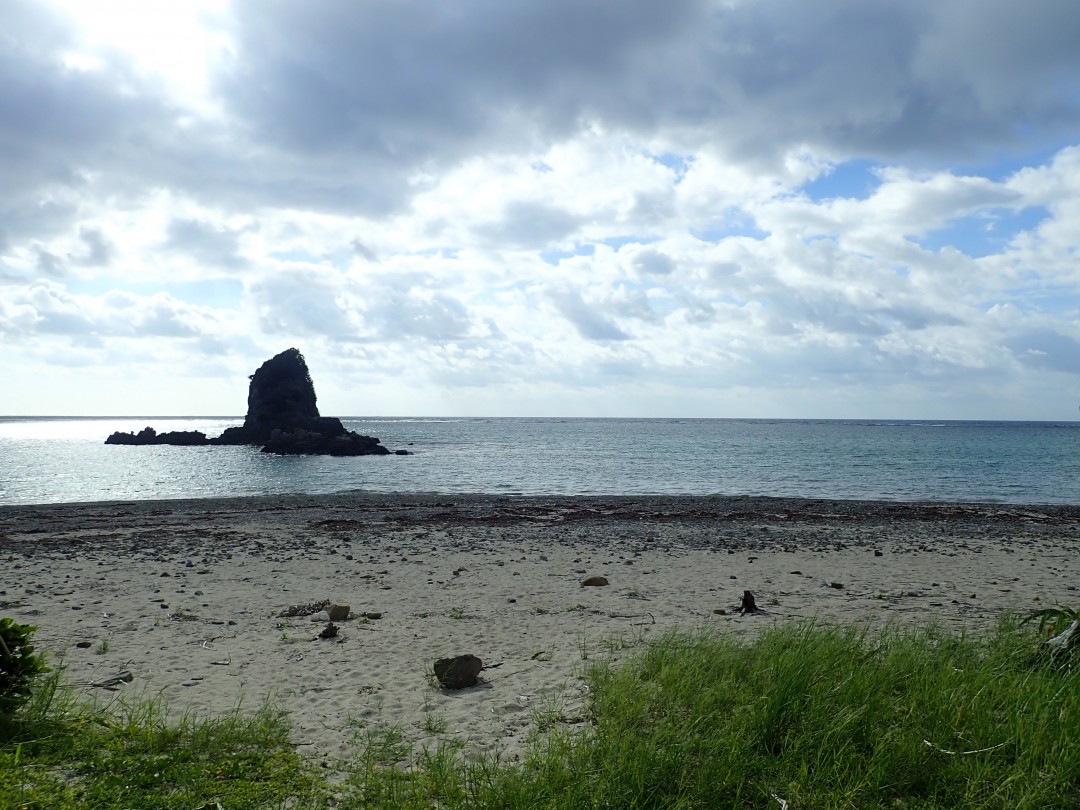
pixel 282 416
pixel 281 396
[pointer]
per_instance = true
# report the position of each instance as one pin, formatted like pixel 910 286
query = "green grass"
pixel 813 716
pixel 817 717
pixel 58 754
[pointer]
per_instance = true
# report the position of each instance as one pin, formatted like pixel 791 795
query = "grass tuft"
pixel 61 754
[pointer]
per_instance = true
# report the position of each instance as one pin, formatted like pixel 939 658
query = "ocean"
pixel 59 460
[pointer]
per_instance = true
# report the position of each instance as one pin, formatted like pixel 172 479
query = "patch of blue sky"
pixel 679 164
pixel 436 253
pixel 553 257
pixel 985 233
pixel 616 242
pixel 734 300
pixel 853 179
pixel 718 234
pixel 217 292
pixel 732 221
pixel 339 260
pixel 295 256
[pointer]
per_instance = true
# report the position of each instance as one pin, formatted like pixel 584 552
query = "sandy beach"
pixel 188 596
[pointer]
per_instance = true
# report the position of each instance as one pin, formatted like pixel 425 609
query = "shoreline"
pixel 185 594
pixel 429 505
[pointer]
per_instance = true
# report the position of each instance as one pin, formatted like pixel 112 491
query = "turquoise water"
pixel 65 460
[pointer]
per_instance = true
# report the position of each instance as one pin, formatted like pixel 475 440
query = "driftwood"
pixel 114 681
pixel 1064 640
pixel 748 604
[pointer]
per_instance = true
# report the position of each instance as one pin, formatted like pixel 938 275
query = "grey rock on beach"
pixel 338 613
pixel 459 672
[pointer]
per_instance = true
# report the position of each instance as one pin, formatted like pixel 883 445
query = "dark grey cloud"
pixel 99 249
pixel 24 214
pixel 413 80
pixel 345 107
pixel 424 83
pixel 363 251
pixel 72 137
pixel 49 264
pixel 58 125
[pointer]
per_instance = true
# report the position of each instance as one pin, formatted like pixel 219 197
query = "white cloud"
pixel 559 207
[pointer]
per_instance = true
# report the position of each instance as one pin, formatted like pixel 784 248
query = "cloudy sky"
pixel 716 208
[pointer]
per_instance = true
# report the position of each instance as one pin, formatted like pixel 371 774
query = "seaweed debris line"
pixel 282 416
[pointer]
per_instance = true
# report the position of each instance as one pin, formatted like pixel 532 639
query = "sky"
pixel 689 208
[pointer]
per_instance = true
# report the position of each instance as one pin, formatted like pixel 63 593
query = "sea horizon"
pixel 379 417
pixel 64 459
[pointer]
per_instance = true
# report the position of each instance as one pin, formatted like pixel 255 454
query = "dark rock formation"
pixel 148 435
pixel 459 672
pixel 332 443
pixel 282 416
pixel 281 397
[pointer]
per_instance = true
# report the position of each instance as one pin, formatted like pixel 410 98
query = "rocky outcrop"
pixel 281 396
pixel 282 416
pixel 309 442
pixel 186 438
